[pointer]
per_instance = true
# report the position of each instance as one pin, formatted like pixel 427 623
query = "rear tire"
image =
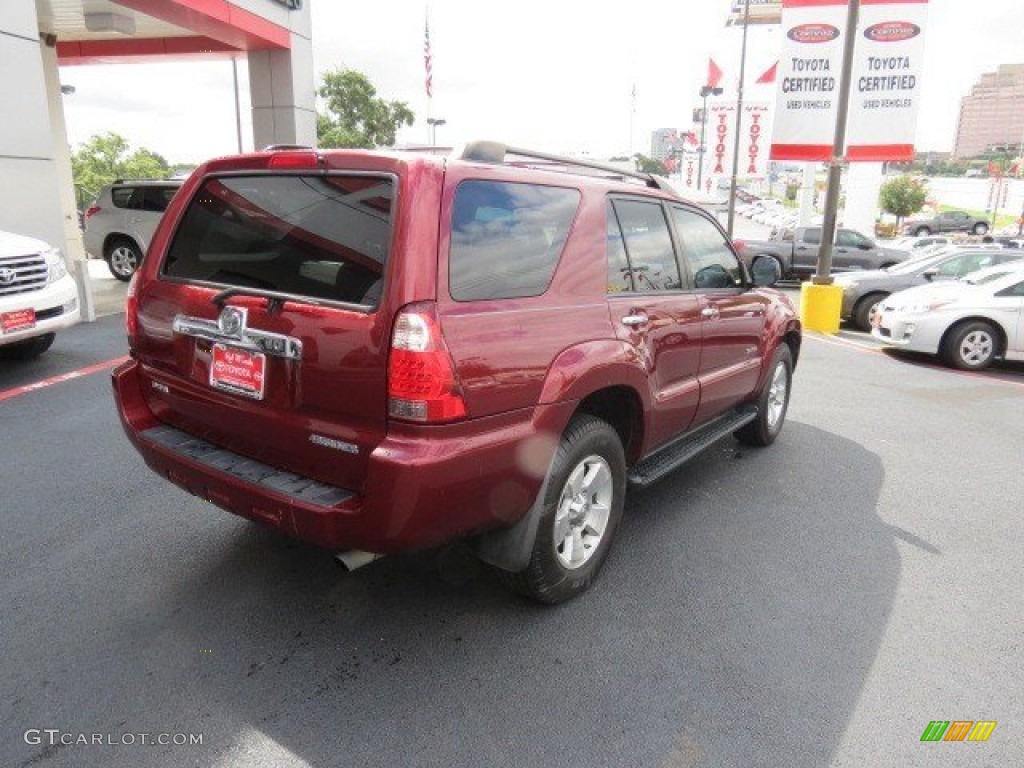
pixel 980 228
pixel 582 506
pixel 865 310
pixel 123 258
pixel 29 349
pixel 971 346
pixel 773 402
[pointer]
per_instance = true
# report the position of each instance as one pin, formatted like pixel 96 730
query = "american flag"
pixel 427 60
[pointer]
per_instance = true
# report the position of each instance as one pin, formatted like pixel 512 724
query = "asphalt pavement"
pixel 814 603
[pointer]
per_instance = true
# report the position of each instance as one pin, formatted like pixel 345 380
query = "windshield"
pixel 916 264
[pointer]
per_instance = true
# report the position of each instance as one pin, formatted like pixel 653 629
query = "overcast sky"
pixel 555 76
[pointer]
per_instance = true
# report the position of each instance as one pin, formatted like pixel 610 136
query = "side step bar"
pixel 663 461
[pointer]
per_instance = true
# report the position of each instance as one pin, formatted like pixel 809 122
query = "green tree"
pixel 106 157
pixel 646 164
pixel 902 196
pixel 356 116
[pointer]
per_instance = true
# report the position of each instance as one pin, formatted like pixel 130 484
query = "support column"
pixel 283 94
pixel 30 188
pixel 74 250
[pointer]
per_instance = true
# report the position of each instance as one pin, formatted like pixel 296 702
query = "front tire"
pixel 29 349
pixel 980 228
pixel 972 346
pixel 773 402
pixel 580 513
pixel 922 231
pixel 864 311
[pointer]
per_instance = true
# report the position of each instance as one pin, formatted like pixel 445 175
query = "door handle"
pixel 636 320
pixel 709 312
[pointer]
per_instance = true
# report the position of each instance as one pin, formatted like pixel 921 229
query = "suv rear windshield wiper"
pixel 275 299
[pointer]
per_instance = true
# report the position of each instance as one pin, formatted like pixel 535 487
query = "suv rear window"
pixel 324 237
pixel 507 238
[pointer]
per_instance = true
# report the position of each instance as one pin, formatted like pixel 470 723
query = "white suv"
pixel 120 224
pixel 37 296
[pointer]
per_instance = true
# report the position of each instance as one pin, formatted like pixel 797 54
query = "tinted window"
pixel 325 237
pixel 812 235
pixel 649 246
pixel 1013 290
pixel 619 277
pixel 850 239
pixel 125 197
pixel 711 260
pixel 507 238
pixel 157 199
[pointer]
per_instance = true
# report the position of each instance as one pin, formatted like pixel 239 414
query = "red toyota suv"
pixel 380 351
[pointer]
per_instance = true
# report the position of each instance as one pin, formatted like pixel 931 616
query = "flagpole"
pixel 739 123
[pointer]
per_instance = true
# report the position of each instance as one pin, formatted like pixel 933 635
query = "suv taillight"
pixel 92 210
pixel 422 385
pixel 131 312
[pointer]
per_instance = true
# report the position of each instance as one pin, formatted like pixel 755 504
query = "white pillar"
pixel 29 188
pixel 807 195
pixel 283 94
pixel 74 250
pixel 863 181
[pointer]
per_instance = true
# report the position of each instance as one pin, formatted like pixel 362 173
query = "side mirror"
pixel 765 271
pixel 930 274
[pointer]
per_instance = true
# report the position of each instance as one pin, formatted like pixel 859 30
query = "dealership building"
pixel 39 36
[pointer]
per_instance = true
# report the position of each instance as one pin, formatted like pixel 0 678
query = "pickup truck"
pixel 796 250
pixel 947 221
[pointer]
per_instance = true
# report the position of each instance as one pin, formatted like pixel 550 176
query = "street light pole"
pixel 822 275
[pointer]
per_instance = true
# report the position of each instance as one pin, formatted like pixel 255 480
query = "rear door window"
pixel 652 257
pixel 323 237
pixel 126 197
pixel 507 238
pixel 157 199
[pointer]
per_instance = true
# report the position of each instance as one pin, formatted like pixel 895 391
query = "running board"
pixel 666 459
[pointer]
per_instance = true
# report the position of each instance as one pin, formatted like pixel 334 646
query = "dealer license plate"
pixel 18 320
pixel 238 370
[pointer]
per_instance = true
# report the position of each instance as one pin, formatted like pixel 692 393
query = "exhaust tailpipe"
pixel 356 558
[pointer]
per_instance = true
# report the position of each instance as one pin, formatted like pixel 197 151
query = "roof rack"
pixel 496 153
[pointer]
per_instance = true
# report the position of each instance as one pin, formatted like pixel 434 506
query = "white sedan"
pixel 969 322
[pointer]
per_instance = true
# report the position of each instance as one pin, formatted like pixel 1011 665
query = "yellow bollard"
pixel 820 306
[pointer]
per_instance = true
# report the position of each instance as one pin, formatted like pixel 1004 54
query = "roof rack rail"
pixel 495 152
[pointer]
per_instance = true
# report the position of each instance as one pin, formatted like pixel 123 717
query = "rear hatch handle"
pixel 231 328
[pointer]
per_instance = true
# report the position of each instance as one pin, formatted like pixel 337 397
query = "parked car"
pixel 37 296
pixel 864 291
pixel 383 351
pixel 969 323
pixel 120 224
pixel 947 221
pixel 796 251
pixel 916 244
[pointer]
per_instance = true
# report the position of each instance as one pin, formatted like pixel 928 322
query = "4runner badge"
pixel 232 321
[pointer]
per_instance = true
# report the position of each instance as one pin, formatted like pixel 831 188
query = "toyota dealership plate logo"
pixel 892 31
pixel 813 33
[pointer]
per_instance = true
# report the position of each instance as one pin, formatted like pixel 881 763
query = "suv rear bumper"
pixel 419 491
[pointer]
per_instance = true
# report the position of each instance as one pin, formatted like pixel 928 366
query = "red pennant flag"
pixel 714 73
pixel 769 75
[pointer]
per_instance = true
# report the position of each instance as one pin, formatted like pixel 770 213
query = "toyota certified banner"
pixel 885 90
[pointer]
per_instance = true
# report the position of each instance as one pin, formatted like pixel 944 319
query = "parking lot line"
pixel 7 394
pixel 986 376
